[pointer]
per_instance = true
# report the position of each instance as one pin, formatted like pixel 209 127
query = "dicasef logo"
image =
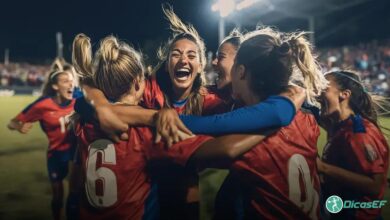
pixel 334 204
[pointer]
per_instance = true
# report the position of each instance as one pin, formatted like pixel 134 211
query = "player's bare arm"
pixel 115 119
pixel 367 184
pixel 221 151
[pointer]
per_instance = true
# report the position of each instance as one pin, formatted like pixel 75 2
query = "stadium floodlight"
pixel 245 4
pixel 225 7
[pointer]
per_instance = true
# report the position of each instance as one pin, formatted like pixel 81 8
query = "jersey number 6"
pixel 100 183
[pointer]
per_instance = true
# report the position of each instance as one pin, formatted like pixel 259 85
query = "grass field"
pixel 24 186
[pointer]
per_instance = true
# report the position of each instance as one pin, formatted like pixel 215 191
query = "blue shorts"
pixel 57 164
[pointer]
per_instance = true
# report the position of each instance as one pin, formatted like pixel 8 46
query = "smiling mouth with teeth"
pixel 182 74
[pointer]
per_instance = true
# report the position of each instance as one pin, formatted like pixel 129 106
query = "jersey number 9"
pixel 301 189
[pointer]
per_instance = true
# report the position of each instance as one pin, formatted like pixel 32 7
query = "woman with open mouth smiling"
pixel 183 67
pixel 355 160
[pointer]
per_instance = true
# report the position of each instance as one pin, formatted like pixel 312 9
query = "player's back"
pixel 278 178
pixel 116 184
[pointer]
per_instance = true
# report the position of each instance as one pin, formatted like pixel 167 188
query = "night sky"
pixel 28 27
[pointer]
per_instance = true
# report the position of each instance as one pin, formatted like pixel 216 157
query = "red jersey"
pixel 215 102
pixel 278 178
pixel 358 146
pixel 117 177
pixel 53 119
pixel 153 98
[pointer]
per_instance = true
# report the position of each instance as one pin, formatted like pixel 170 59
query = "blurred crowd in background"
pixel 371 60
pixel 23 74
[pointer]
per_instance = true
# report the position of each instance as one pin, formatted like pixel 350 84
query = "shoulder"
pixel 368 144
pixel 41 101
pixel 305 118
pixel 303 127
pixel 153 96
pixel 359 129
pixel 209 94
pixel 213 101
pixel 213 91
pixel 140 138
pixel 356 127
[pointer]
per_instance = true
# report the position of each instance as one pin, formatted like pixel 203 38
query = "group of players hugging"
pixel 138 139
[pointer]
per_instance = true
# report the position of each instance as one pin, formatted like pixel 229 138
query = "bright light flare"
pixel 245 4
pixel 225 7
pixel 215 7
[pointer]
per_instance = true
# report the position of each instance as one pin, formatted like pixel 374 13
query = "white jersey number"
pixel 64 121
pixel 298 169
pixel 100 183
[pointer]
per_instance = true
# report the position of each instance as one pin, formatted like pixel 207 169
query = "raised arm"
pixel 275 111
pixel 115 119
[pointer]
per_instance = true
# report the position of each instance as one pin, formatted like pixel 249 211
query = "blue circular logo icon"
pixel 334 204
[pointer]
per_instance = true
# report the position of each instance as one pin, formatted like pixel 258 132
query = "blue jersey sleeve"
pixel 276 111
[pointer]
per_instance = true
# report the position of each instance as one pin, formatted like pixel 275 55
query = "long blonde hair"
pixel 181 31
pixel 112 69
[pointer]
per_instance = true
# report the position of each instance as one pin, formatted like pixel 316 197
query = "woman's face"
pixel 183 64
pixel 64 86
pixel 223 64
pixel 330 99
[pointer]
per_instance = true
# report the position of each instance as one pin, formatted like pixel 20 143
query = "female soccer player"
pixel 277 178
pixel 117 176
pixel 356 158
pixel 52 110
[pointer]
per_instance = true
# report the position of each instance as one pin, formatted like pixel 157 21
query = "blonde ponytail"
pixel 114 68
pixel 109 49
pixel 82 57
pixel 310 72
